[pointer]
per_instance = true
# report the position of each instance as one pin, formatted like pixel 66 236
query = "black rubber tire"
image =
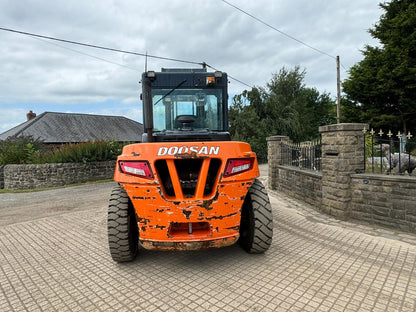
pixel 122 228
pixel 256 228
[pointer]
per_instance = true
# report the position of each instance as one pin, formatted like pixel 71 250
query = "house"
pixel 60 128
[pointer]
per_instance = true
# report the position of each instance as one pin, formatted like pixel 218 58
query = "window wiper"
pixel 178 86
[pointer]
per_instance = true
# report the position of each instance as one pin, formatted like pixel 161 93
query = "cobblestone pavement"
pixel 60 262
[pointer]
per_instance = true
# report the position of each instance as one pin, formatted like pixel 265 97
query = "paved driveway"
pixel 54 257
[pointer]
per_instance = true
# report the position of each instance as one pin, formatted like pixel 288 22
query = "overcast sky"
pixel 43 75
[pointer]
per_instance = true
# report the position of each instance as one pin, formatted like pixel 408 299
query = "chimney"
pixel 31 115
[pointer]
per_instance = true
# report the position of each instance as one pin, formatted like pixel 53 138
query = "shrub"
pixel 27 150
pixel 85 152
pixel 21 150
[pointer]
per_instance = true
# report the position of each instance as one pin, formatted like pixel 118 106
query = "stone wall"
pixel 384 200
pixel 305 185
pixel 339 190
pixel 21 177
pixel 302 184
pixel 1 177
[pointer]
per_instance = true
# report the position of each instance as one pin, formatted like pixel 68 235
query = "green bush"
pixel 85 152
pixel 22 150
pixel 26 150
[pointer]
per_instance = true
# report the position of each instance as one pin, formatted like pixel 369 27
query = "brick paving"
pixel 316 263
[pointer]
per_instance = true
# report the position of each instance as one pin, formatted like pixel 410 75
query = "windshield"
pixel 200 108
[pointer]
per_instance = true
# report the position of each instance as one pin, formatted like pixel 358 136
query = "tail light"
pixel 239 165
pixel 136 168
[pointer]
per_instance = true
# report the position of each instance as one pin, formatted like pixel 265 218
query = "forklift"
pixel 187 186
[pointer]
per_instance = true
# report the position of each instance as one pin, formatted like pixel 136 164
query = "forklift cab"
pixel 185 105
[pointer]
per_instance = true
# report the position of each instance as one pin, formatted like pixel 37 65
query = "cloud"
pixel 9 116
pixel 39 74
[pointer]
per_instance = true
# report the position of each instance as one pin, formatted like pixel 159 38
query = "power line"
pixel 278 30
pixel 101 47
pixel 114 50
pixel 305 44
pixel 86 54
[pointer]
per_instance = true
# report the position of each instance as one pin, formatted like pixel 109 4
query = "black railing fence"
pixel 305 155
pixel 388 153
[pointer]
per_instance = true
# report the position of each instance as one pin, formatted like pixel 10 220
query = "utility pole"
pixel 338 92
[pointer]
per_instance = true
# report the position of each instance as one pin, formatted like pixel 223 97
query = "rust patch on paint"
pixel 161 227
pixel 141 198
pixel 187 213
pixel 143 220
pixel 207 203
pixel 220 217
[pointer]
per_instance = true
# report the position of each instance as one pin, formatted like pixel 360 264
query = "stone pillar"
pixel 342 155
pixel 274 153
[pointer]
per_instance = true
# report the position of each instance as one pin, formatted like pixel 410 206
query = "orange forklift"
pixel 187 186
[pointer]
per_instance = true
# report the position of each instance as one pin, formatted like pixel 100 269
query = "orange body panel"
pixel 172 217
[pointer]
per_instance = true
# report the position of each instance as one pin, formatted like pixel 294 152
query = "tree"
pixel 283 102
pixel 284 107
pixel 246 121
pixel 319 110
pixel 383 85
pixel 350 111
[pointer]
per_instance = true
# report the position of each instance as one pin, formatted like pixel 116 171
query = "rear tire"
pixel 122 226
pixel 256 228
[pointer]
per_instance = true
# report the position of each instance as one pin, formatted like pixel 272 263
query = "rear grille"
pixel 188 173
pixel 188 178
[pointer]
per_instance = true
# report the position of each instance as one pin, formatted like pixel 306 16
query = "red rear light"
pixel 239 165
pixel 137 168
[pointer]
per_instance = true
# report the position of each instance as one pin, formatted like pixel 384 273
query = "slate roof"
pixel 56 128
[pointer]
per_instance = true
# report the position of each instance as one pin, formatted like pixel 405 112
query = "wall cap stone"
pixel 343 127
pixel 278 138
pixel 384 177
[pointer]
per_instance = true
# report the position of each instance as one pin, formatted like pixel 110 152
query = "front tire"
pixel 256 228
pixel 122 226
